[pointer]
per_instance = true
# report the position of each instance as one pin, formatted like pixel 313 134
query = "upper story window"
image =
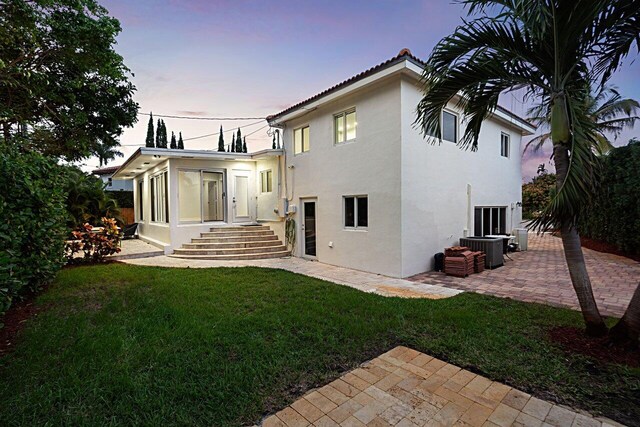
pixel 449 126
pixel 266 181
pixel 301 140
pixel 356 212
pixel 345 125
pixel 504 145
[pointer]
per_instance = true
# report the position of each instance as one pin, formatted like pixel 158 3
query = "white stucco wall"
pixel 368 166
pixel 435 211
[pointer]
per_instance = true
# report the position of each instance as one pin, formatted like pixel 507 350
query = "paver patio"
pixel 406 388
pixel 541 275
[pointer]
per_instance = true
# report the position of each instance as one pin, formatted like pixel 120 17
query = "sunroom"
pixel 179 194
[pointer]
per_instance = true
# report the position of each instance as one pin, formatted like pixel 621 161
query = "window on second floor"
pixel 345 125
pixel 301 140
pixel 504 145
pixel 448 127
pixel 266 181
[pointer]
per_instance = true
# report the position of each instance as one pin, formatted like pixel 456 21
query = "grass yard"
pixel 118 344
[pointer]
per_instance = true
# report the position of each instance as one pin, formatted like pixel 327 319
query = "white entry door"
pixel 240 201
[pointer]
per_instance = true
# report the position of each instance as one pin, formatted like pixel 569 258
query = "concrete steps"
pixel 234 243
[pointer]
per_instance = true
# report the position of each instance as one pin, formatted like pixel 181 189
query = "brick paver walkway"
pixel 406 388
pixel 541 275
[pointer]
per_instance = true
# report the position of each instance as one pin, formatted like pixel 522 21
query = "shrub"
pixel 32 227
pixel 124 199
pixel 536 195
pixel 614 214
pixel 87 201
pixel 95 245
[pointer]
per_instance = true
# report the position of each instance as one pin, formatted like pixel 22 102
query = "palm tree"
pixel 609 111
pixel 105 153
pixel 556 51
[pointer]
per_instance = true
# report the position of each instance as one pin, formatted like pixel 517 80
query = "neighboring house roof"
pixel 404 55
pixel 105 171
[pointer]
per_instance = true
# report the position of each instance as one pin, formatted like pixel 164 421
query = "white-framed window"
pixel 158 185
pixel 356 211
pixel 505 144
pixel 266 181
pixel 345 125
pixel 448 126
pixel 140 200
pixel 301 140
pixel 490 220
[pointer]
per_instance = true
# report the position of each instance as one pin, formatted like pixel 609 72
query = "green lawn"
pixel 120 344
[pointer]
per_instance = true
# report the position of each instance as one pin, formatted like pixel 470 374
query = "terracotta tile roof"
pixel 105 171
pixel 401 56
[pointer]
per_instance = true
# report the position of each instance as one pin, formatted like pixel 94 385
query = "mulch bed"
pixel 574 340
pixel 607 248
pixel 15 319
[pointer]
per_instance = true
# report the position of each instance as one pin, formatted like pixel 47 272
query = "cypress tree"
pixel 159 134
pixel 174 144
pixel 149 142
pixel 239 142
pixel 220 140
pixel 180 142
pixel 165 140
pixel 233 146
pixel 273 143
pixel 244 144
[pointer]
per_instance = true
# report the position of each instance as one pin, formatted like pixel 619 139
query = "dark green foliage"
pixel 124 199
pixel 233 144
pixel 244 145
pixel 180 142
pixel 174 143
pixel 159 134
pixel 129 345
pixel 238 142
pixel 220 140
pixel 273 143
pixel 614 214
pixel 86 199
pixel 536 195
pixel 32 227
pixel 64 91
pixel 149 142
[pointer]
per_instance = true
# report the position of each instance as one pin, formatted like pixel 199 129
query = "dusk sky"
pixel 253 58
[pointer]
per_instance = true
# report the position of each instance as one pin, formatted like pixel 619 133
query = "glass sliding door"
pixel 212 196
pixel 189 196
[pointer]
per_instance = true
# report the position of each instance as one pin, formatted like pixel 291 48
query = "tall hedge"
pixel 32 222
pixel 614 214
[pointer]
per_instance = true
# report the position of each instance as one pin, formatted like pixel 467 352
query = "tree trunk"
pixel 628 328
pixel 595 326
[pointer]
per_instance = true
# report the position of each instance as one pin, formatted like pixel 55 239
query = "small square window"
pixel 356 211
pixel 504 145
pixel 301 140
pixel 345 126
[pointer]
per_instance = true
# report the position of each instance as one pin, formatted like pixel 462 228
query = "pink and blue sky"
pixel 254 58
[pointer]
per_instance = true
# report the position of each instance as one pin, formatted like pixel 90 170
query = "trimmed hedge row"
pixel 32 222
pixel 614 214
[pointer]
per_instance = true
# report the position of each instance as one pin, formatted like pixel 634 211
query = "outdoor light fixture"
pixel 519 204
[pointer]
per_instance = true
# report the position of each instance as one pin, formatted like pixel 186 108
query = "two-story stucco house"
pixel 365 189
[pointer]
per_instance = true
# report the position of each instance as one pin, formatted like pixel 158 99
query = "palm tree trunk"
pixel 628 328
pixel 595 326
